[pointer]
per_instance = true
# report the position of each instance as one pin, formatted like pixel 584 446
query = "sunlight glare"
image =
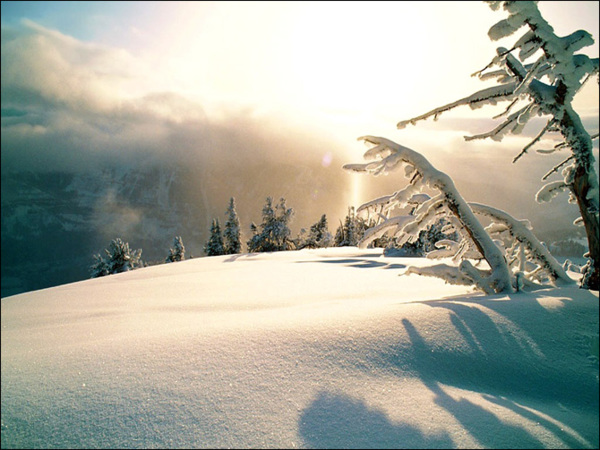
pixel 356 190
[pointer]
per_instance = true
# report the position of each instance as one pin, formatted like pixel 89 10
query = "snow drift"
pixel 309 349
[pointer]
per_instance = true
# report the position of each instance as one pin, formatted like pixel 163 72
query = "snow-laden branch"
pixel 388 155
pixel 550 190
pixel 513 124
pixel 489 96
pixel 445 248
pixel 548 86
pixel 450 274
pixel 539 136
pixel 395 224
pixel 522 234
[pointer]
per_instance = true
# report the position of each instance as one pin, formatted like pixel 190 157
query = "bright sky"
pixel 334 69
pixel 365 60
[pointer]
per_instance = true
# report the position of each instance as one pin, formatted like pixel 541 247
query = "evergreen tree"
pixel 349 233
pixel 99 268
pixel 119 258
pixel 318 236
pixel 254 242
pixel 214 246
pixel 231 234
pixel 274 232
pixel 177 253
pixel 425 243
pixel 281 232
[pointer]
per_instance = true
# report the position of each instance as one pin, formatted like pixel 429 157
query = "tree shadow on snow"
pixel 235 257
pixel 480 423
pixel 526 413
pixel 361 263
pixel 523 330
pixel 494 365
pixel 340 421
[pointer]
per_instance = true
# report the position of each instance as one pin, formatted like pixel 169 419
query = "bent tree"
pixel 539 76
pixel 387 156
pixel 516 258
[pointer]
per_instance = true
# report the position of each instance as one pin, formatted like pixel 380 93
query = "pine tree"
pixel 99 268
pixel 349 233
pixel 214 246
pixel 177 253
pixel 281 231
pixel 119 258
pixel 231 234
pixel 274 234
pixel 318 236
pixel 254 242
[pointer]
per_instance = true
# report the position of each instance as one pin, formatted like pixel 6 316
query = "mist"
pixel 95 145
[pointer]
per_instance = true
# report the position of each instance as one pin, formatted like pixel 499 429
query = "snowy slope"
pixel 314 348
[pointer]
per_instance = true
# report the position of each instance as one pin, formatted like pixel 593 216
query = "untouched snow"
pixel 313 348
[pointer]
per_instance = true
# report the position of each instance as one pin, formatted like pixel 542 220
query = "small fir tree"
pixel 214 246
pixel 274 234
pixel 119 258
pixel 177 253
pixel 318 236
pixel 351 231
pixel 254 242
pixel 232 240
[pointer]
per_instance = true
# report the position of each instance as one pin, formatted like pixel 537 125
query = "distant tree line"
pixel 273 234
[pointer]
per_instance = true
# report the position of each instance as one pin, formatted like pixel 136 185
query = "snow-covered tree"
pixel 318 235
pixel 231 235
pixel 525 254
pixel 253 243
pixel 345 235
pixel 387 156
pixel 274 234
pixel 350 232
pixel 516 259
pixel 118 258
pixel 99 268
pixel 427 242
pixel 177 252
pixel 214 245
pixel 281 231
pixel 545 86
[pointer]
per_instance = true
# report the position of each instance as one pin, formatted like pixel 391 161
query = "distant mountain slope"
pixel 52 223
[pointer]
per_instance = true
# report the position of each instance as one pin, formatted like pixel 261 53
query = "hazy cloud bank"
pixel 74 106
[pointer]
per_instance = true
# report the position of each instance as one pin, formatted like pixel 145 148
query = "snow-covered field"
pixel 314 348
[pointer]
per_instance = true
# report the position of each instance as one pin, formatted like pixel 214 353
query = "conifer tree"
pixel 118 258
pixel 274 234
pixel 349 233
pixel 318 236
pixel 214 245
pixel 231 235
pixel 177 253
pixel 254 242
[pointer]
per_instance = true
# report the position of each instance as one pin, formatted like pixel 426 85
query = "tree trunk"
pixel 580 188
pixel 581 144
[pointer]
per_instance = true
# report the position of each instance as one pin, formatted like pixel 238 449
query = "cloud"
pixel 71 105
pixel 74 106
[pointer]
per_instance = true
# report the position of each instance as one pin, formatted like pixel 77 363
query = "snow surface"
pixel 324 348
